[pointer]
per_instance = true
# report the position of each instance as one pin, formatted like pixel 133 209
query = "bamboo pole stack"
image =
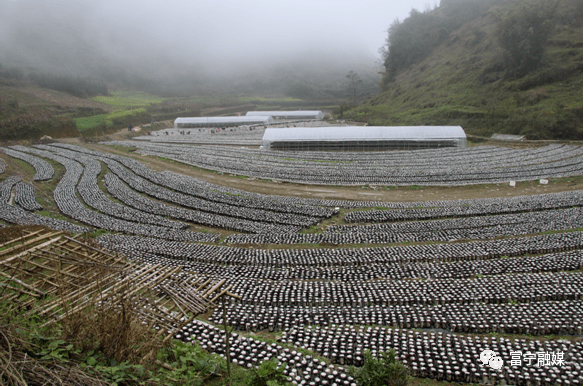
pixel 50 274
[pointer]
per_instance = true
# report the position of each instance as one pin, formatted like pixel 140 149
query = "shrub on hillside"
pixel 56 127
pixel 267 374
pixel 385 370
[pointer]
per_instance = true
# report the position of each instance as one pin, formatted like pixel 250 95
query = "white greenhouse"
pixel 299 114
pixel 363 138
pixel 221 121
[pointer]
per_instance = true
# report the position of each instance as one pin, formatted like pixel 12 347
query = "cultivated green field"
pixel 121 99
pixel 86 123
pixel 217 100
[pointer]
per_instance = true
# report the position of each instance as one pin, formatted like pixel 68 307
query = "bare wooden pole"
pixel 227 353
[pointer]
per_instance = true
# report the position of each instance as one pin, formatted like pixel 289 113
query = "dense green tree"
pixel 523 34
pixel 409 41
pixel 413 39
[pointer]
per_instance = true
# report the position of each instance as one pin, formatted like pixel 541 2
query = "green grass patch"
pixel 229 194
pixel 125 149
pixel 26 168
pixel 166 159
pixel 304 351
pixel 561 231
pixel 193 166
pixel 124 99
pixel 87 123
pixel 54 215
pixel 313 229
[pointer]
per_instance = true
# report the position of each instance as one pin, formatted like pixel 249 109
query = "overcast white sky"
pixel 196 31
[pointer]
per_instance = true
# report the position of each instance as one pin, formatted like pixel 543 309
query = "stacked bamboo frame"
pixel 55 276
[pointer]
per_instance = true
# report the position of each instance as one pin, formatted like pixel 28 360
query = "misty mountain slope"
pixel 462 80
pixel 29 111
pixel 30 95
pixel 310 75
pixel 229 49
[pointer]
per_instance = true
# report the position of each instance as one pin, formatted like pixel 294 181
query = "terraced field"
pixel 446 166
pixel 438 281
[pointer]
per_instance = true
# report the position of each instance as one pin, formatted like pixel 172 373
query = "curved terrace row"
pixel 507 280
pixel 429 167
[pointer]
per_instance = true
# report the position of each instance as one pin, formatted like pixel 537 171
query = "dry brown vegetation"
pixel 62 299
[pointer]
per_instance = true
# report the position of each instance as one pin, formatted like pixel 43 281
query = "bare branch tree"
pixel 355 82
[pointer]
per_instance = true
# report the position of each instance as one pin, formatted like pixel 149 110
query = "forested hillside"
pixel 488 65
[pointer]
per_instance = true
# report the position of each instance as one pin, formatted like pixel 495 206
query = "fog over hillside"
pixel 199 41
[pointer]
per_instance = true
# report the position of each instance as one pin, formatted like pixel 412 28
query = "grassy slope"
pixel 459 84
pixel 29 112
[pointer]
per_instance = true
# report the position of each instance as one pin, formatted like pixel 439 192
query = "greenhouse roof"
pixel 293 113
pixel 367 133
pixel 219 120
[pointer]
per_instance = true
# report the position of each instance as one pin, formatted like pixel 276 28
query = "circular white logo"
pixel 488 357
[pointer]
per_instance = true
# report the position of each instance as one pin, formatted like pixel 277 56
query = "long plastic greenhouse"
pixel 363 138
pixel 299 114
pixel 221 121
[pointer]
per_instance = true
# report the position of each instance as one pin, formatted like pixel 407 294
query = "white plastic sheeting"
pixel 356 136
pixel 508 137
pixel 305 114
pixel 221 121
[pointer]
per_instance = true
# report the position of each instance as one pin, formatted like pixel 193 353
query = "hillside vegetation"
pixel 33 105
pixel 491 66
